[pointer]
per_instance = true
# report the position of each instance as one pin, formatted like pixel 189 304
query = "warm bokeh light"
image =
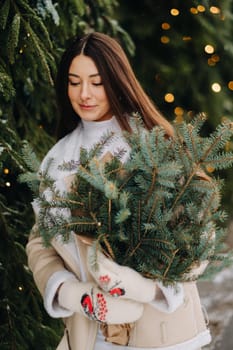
pixel 187 38
pixel 6 171
pixel 230 85
pixel 165 26
pixel 216 87
pixel 213 60
pixel 209 49
pixel 8 184
pixel 201 8
pixel 174 12
pixel 179 111
pixel 164 39
pixel 194 10
pixel 169 97
pixel 215 10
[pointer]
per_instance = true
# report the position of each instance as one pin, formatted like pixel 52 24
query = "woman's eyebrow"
pixel 77 76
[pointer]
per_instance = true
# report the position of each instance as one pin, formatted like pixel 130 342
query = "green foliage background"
pixel 181 66
pixel 33 34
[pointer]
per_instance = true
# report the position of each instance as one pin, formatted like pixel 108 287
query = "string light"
pixel 209 49
pixel 174 12
pixel 8 184
pixel 215 10
pixel 216 87
pixel 6 171
pixel 213 60
pixel 201 8
pixel 193 10
pixel 164 39
pixel 230 85
pixel 165 26
pixel 179 111
pixel 20 288
pixel 187 38
pixel 169 97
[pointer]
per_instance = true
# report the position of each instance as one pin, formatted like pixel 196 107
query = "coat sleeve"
pixel 48 272
pixel 47 266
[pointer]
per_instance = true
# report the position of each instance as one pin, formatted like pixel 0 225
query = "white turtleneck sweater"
pixel 86 135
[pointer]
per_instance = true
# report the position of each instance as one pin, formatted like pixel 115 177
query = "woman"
pixel 97 92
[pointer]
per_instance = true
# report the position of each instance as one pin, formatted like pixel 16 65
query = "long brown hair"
pixel 123 90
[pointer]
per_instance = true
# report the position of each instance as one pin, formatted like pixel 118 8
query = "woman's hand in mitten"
pixel 95 304
pixel 120 280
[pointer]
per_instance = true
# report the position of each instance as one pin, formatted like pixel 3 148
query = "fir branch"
pixel 217 140
pixel 36 43
pixel 24 6
pixel 4 12
pixel 13 154
pixel 80 7
pixel 30 157
pixel 171 259
pixel 34 19
pixel 156 213
pixel 13 37
pixel 185 186
pixel 6 85
pixel 108 246
pixel 220 161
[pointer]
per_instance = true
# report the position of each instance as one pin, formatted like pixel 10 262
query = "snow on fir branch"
pixel 159 212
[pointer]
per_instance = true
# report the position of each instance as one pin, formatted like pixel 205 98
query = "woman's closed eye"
pixel 97 83
pixel 74 83
pixel 77 83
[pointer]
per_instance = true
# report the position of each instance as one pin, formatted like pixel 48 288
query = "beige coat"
pixel 155 329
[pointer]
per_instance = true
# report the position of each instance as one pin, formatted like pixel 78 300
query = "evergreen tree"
pixel 33 34
pixel 183 48
pixel 183 58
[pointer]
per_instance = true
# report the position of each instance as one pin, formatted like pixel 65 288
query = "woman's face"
pixel 86 91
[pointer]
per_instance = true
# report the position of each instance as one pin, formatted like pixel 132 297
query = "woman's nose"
pixel 85 91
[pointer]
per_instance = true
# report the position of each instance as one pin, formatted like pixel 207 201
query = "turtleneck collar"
pixel 93 130
pixel 99 125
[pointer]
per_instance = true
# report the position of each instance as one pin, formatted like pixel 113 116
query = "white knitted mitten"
pixel 120 280
pixel 95 304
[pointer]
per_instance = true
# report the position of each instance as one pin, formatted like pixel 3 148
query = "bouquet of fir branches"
pixel 159 212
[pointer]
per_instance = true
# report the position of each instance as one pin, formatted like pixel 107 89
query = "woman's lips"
pixel 87 107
